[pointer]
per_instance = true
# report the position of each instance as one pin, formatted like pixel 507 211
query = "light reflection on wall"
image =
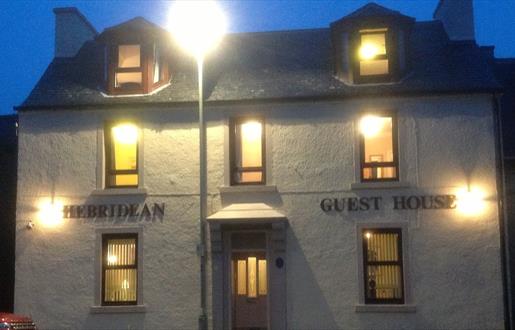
pixel 470 201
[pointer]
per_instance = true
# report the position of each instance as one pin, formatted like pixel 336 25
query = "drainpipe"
pixel 202 321
pixel 503 228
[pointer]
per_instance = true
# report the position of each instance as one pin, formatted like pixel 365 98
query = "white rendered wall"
pixel 454 274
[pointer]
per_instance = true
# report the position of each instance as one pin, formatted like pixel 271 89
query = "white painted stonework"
pixel 452 262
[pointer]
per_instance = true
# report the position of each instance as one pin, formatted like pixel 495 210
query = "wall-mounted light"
pixel 470 201
pixel 50 212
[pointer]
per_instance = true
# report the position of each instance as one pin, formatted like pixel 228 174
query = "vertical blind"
pixel 383 265
pixel 120 270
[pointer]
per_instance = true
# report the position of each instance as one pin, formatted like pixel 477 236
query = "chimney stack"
pixel 457 17
pixel 72 30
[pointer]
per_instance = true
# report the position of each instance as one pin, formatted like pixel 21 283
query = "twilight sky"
pixel 27 27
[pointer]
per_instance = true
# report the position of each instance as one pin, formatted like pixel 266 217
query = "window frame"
pixel 233 122
pixel 400 263
pixel 104 241
pixel 157 58
pixel 390 54
pixel 395 147
pixel 139 69
pixel 108 155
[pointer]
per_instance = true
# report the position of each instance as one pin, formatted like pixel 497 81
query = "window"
pixel 382 266
pixel 249 274
pixel 373 53
pixel 119 269
pixel 128 72
pixel 121 147
pixel 247 151
pixel 378 147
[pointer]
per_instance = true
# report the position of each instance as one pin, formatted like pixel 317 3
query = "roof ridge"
pixel 277 31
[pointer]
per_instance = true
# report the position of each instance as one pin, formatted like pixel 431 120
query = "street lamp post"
pixel 198 26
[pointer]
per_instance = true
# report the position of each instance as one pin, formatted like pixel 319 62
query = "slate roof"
pixel 273 65
pixel 138 25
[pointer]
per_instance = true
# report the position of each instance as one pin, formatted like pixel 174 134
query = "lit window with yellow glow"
pixel 121 155
pixel 247 151
pixel 372 53
pixel 119 269
pixel 128 70
pixel 383 274
pixel 250 276
pixel 378 148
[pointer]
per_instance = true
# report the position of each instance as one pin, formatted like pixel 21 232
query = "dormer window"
pixel 129 75
pixel 373 55
pixel 136 68
pixel 370 45
pixel 137 57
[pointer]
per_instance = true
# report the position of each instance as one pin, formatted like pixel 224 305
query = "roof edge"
pixel 309 98
pixel 437 8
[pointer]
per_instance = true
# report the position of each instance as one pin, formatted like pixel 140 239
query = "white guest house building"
pixel 352 179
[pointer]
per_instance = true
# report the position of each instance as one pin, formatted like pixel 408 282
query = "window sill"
pixel 119 191
pixel 247 189
pixel 385 308
pixel 379 185
pixel 118 309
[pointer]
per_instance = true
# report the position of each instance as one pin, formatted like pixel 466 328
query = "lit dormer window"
pixel 137 57
pixel 370 45
pixel 136 68
pixel 373 54
pixel 129 75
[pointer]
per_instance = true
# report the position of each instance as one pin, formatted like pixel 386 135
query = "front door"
pixel 249 284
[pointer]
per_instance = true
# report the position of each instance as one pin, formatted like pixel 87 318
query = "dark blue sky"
pixel 27 27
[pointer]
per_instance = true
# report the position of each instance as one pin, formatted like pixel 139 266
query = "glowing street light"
pixel 198 27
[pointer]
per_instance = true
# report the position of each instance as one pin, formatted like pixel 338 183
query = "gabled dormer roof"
pixel 136 27
pixel 373 11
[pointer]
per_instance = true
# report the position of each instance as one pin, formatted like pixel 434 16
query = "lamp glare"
pixel 251 131
pixel 125 133
pixel 368 51
pixel 197 26
pixel 51 213
pixel 470 201
pixel 370 126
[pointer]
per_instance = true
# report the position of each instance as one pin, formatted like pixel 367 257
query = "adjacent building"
pixel 352 179
pixel 8 157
